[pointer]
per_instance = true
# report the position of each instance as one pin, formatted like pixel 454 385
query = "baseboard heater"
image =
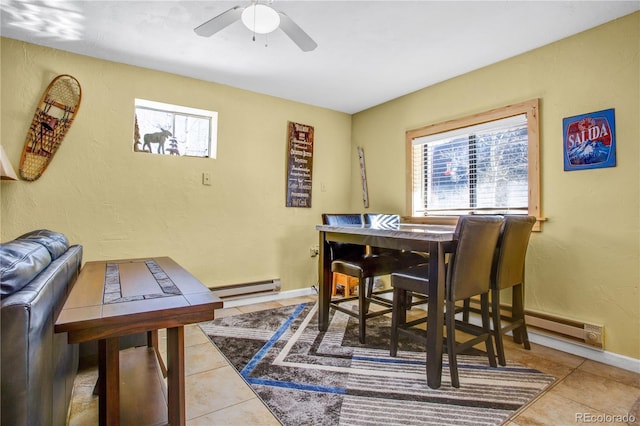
pixel 591 335
pixel 247 289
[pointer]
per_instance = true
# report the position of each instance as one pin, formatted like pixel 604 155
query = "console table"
pixel 121 297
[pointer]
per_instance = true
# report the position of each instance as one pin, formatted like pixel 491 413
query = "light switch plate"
pixel 206 178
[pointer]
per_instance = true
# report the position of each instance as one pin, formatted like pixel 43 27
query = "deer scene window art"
pixel 167 129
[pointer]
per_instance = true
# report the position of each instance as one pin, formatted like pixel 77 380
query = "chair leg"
pixel 497 325
pixel 408 301
pixel 517 302
pixel 450 320
pixel 398 317
pixel 363 308
pixel 369 293
pixel 466 307
pixel 486 325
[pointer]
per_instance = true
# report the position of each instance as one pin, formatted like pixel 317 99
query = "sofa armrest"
pixel 38 366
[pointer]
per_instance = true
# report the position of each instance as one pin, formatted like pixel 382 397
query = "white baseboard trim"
pixel 268 297
pixel 581 350
pixel 609 358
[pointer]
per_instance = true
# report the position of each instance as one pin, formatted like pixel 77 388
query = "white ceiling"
pixel 368 52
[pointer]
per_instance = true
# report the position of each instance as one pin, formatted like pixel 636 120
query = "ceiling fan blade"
pixel 220 22
pixel 296 34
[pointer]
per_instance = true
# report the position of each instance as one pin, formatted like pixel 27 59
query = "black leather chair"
pixel 508 271
pixel 364 263
pixel 341 250
pixel 468 274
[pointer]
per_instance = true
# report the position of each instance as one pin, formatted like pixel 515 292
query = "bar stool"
pixel 468 274
pixel 364 264
pixel 508 272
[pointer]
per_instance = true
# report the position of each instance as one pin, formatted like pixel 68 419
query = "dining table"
pixel 426 238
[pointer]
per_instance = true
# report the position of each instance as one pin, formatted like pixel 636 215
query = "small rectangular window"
pixel 167 129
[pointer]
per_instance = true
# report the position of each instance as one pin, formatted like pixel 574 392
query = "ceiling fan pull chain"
pixel 254 20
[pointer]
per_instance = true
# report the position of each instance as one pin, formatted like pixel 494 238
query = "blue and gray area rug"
pixel 311 378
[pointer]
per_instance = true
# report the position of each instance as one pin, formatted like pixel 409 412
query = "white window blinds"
pixel 476 169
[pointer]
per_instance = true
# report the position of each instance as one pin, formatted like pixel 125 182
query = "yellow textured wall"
pixel 121 204
pixel 585 264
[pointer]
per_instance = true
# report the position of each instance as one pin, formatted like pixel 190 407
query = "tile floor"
pixel 585 392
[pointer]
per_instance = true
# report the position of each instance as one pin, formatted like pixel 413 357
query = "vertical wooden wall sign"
pixel 299 165
pixel 363 177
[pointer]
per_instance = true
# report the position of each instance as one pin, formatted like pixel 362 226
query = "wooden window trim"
pixel 530 108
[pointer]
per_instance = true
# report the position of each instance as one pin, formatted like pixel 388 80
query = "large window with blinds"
pixel 483 164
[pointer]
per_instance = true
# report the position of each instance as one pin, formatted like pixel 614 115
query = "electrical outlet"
pixel 314 251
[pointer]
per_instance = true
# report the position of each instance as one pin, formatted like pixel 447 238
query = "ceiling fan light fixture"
pixel 260 19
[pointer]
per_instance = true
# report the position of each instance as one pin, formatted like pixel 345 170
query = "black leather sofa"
pixel 37 365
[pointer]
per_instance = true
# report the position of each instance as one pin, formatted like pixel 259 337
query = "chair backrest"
pixel 470 265
pixel 379 220
pixel 342 219
pixel 341 250
pixel 382 221
pixel 512 251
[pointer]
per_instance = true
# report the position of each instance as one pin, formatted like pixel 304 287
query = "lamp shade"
pixel 6 170
pixel 260 19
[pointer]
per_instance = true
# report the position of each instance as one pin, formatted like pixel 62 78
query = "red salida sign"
pixel 589 140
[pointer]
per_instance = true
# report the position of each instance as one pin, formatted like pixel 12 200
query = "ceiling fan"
pixel 261 19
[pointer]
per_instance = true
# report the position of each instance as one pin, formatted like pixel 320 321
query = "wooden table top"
pixel 120 297
pixel 412 231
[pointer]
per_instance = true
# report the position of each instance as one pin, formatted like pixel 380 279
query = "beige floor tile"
pixel 83 409
pixel 259 307
pixel 600 394
pixel 87 414
pixel 226 312
pixel 193 335
pixel 202 357
pixel 86 378
pixel 298 300
pixel 609 372
pixel 553 409
pixel 635 412
pixel 555 363
pixel 562 358
pixel 213 390
pixel 251 412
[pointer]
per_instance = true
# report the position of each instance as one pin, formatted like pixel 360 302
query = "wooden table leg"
pixel 109 381
pixel 435 315
pixel 175 376
pixel 324 281
pixel 153 341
